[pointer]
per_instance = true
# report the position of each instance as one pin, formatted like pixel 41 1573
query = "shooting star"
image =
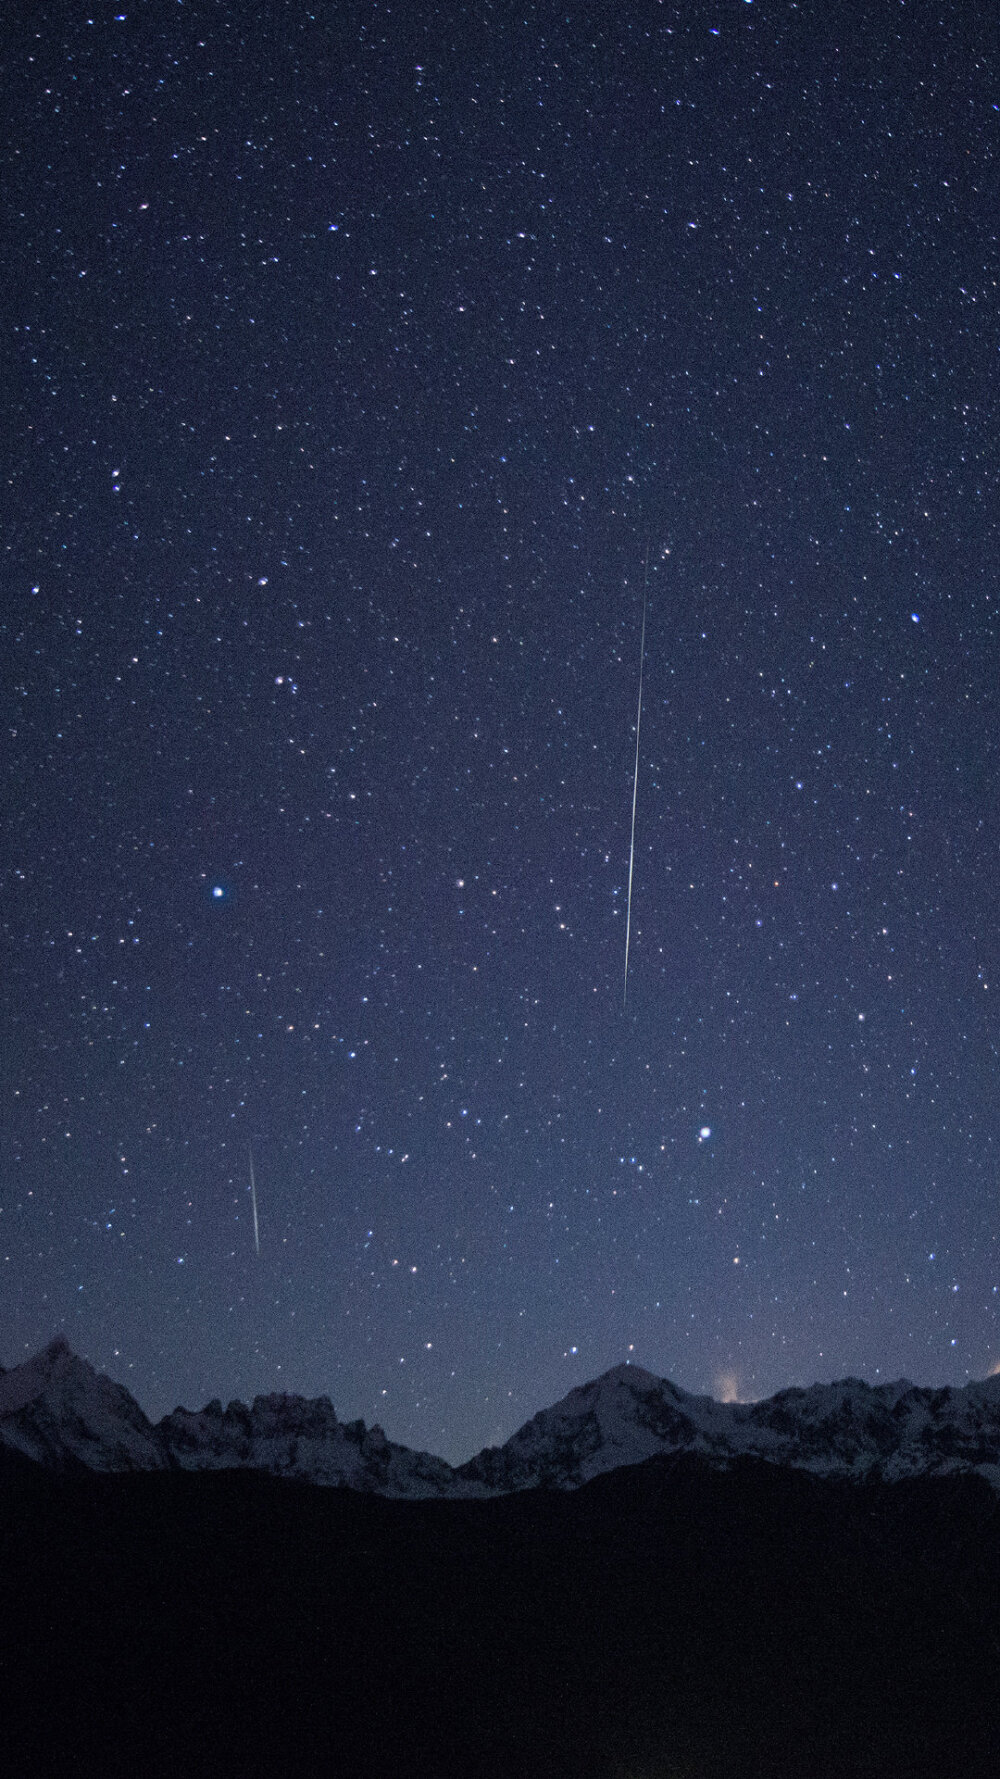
pixel 253 1201
pixel 635 781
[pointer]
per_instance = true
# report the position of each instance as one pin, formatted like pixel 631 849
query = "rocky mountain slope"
pixel 57 1410
pixel 847 1429
pixel 60 1412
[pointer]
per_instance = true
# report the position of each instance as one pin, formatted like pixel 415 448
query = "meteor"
pixel 635 781
pixel 253 1201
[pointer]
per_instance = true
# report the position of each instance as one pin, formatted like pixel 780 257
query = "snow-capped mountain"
pixel 57 1410
pixel 290 1436
pixel 843 1429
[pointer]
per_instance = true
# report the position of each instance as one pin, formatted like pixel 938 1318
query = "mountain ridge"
pixel 59 1411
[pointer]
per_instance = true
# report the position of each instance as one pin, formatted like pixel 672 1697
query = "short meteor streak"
pixel 253 1201
pixel 635 784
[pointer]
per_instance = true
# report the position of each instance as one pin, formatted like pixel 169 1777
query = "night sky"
pixel 357 359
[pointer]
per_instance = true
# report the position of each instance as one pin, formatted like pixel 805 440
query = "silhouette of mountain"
pixel 57 1410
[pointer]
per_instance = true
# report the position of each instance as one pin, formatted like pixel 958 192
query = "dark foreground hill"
pixel 666 1621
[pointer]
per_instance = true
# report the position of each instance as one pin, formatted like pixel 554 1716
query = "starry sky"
pixel 368 369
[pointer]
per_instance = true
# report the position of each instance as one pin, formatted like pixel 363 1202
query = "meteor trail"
pixel 635 781
pixel 253 1201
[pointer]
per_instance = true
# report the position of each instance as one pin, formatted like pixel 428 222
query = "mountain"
pixel 292 1437
pixel 719 1598
pixel 58 1411
pixel 848 1429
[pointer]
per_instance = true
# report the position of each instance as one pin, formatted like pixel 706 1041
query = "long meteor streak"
pixel 635 783
pixel 253 1201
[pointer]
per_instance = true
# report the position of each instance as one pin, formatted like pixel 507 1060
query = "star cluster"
pixel 368 371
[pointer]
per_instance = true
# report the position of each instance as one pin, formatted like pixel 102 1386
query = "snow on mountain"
pixel 843 1429
pixel 290 1436
pixel 620 1418
pixel 56 1409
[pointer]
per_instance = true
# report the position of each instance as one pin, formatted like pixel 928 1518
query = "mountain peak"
pixel 22 1383
pixel 56 1409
